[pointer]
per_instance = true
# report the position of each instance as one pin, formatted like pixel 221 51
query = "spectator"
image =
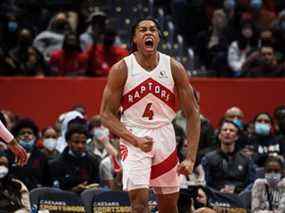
pixel 212 45
pixel 64 120
pixel 266 38
pixel 279 119
pixel 102 56
pixel 263 65
pixel 206 133
pixel 68 61
pixel 100 136
pixel 268 194
pixel 186 13
pixel 7 68
pixel 265 13
pixel 227 169
pixel 52 38
pixel 28 10
pixel 95 30
pixel 278 28
pixel 201 199
pixel 264 138
pixel 35 173
pixel 111 170
pixel 75 168
pixel 236 115
pixel 100 145
pixel 241 48
pixel 25 59
pixel 49 138
pixel 14 195
pixel 10 29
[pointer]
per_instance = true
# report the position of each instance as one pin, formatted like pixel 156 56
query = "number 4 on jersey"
pixel 148 112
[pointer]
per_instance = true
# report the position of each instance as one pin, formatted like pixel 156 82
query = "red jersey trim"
pixel 169 163
pixel 149 86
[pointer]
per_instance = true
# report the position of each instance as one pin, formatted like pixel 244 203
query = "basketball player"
pixel 143 84
pixel 20 153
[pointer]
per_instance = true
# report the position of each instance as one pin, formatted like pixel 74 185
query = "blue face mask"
pixel 28 145
pixel 12 26
pixel 239 123
pixel 262 129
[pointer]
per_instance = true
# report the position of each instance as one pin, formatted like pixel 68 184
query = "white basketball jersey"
pixel 148 98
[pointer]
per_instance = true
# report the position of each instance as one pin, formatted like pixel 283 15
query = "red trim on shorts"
pixel 169 163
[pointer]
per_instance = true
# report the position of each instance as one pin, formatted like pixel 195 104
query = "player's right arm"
pixel 111 102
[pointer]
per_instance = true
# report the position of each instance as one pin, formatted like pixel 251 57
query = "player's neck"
pixel 148 62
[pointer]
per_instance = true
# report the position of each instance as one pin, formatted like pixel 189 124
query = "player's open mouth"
pixel 148 43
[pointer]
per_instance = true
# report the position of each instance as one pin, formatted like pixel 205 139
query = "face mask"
pixel 28 145
pixel 262 129
pixel 12 26
pixel 50 143
pixel 3 171
pixel 239 123
pixel 273 178
pixel 101 134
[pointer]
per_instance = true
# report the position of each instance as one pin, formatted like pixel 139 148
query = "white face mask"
pixel 50 143
pixel 3 171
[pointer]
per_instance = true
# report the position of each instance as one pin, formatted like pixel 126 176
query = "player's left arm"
pixel 189 106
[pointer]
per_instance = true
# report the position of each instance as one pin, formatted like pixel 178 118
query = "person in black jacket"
pixel 35 173
pixel 227 169
pixel 75 168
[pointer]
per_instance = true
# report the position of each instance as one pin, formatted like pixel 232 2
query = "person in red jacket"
pixel 102 56
pixel 70 60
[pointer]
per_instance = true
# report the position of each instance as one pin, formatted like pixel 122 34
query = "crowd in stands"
pixel 229 38
pixel 76 153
